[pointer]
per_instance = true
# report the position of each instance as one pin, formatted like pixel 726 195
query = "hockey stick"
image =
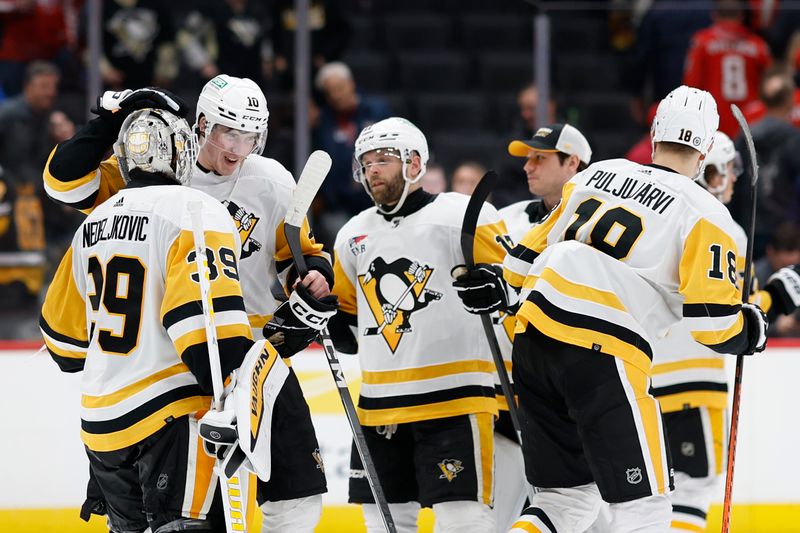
pixel 377 330
pixel 748 261
pixel 317 167
pixel 234 488
pixel 468 229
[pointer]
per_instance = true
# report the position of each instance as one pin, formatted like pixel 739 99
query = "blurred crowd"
pixel 745 53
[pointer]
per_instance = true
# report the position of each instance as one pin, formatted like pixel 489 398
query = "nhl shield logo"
pixel 634 475
pixel 450 469
pixel 163 479
pixel 687 449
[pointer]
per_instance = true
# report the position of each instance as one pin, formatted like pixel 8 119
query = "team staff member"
pixel 427 400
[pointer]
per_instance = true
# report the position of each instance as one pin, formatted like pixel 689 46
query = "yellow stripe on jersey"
pixel 581 292
pixel 527 527
pixel 485 423
pixel 67 192
pixel 63 311
pixel 710 362
pixel 64 186
pixel 105 442
pixel 198 336
pixel 343 288
pixel 697 260
pixel 710 338
pixel 258 321
pixel 718 422
pixel 429 411
pixel 132 389
pixel 487 243
pixel 426 372
pixel 685 526
pixel 690 399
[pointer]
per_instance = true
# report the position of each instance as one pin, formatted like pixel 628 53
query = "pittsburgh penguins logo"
pixel 395 291
pixel 245 223
pixel 450 469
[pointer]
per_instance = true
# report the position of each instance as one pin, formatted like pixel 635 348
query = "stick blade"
pixel 473 211
pixel 314 172
pixel 748 139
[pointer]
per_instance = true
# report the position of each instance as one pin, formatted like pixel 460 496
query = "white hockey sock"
pixel 404 515
pixel 300 515
pixel 463 517
pixel 645 515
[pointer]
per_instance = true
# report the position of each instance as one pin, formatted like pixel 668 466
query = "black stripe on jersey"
pixel 231 354
pixel 524 253
pixel 691 386
pixel 280 266
pixel 689 510
pixel 60 337
pixel 68 364
pixel 498 390
pixel 541 515
pixel 140 413
pixel 575 320
pixel 425 398
pixel 709 310
pixel 735 345
pixel 195 308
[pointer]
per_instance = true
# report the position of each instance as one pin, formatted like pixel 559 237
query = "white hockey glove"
pixel 481 288
pixel 297 321
pixel 784 287
pixel 755 323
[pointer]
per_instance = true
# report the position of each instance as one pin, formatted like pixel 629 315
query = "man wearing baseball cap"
pixel 554 154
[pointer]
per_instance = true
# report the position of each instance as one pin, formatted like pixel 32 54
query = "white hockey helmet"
pixel 397 134
pixel 237 103
pixel 722 152
pixel 155 140
pixel 686 116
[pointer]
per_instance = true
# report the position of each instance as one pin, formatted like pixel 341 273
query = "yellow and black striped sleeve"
pixel 518 262
pixel 182 309
pixel 343 325
pixel 708 273
pixel 316 258
pixel 63 319
pixel 76 175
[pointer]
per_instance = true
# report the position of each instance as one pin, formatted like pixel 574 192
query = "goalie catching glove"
pixel 481 288
pixel 784 287
pixel 297 321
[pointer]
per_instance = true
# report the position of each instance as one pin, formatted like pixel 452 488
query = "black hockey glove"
pixel 115 106
pixel 297 322
pixel 481 288
pixel 755 323
pixel 784 287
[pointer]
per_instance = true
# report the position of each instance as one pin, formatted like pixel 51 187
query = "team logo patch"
pixel 543 132
pixel 163 480
pixel 245 223
pixel 395 291
pixel 634 475
pixel 357 245
pixel 318 458
pixel 450 469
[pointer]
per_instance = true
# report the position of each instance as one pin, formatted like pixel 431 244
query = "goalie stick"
pixel 314 172
pixel 468 228
pixel 748 261
pixel 234 486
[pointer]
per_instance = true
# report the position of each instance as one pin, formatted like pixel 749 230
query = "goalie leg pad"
pixel 300 515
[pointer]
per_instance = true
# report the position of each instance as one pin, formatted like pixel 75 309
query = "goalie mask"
pixel 237 105
pixel 156 141
pixel 721 154
pixel 399 138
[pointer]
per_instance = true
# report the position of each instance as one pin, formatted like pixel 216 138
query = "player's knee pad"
pixel 510 488
pixel 403 514
pixel 562 509
pixel 645 515
pixel 185 524
pixel 463 517
pixel 298 515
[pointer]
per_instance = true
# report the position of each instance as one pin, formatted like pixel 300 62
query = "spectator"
pixel 727 60
pixel 434 180
pixel 771 135
pixel 511 185
pixel 138 44
pixel 783 249
pixel 230 33
pixel 466 177
pixel 33 30
pixel 344 114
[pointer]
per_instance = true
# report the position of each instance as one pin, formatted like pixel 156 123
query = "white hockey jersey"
pixel 667 250
pixel 124 307
pixel 422 355
pixel 256 197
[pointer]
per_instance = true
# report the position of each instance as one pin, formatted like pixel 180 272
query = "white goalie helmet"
pixel 236 103
pixel 722 152
pixel 400 136
pixel 687 116
pixel 156 141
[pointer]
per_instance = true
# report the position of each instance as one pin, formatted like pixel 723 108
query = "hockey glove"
pixel 784 287
pixel 755 322
pixel 297 322
pixel 481 288
pixel 114 106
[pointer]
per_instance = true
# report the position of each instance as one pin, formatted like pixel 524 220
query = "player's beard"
pixel 391 191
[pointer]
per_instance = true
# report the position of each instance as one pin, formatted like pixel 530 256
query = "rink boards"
pixel 45 470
